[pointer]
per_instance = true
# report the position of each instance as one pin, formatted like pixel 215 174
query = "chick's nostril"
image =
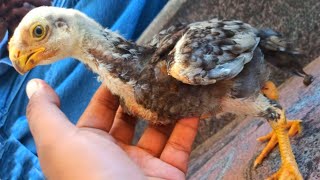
pixel 17 55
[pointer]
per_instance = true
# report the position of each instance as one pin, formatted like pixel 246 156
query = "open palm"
pixel 99 146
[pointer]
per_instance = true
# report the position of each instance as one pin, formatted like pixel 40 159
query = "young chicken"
pixel 195 70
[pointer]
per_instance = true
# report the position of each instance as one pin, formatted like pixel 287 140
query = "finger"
pixel 123 127
pixel 101 111
pixel 47 122
pixel 178 147
pixel 154 139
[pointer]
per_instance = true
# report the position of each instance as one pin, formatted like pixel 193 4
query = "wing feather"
pixel 212 50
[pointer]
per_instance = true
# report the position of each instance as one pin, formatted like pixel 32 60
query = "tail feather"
pixel 282 53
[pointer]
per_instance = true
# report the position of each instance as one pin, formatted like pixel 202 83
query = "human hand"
pixel 99 146
pixel 12 11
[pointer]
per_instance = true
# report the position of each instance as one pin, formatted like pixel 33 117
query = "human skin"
pixel 99 146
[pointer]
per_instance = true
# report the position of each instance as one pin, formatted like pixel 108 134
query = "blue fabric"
pixel 4 60
pixel 74 84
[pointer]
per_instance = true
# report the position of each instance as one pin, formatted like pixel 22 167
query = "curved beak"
pixel 24 61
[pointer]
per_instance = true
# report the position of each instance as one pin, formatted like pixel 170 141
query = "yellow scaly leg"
pixel 292 126
pixel 289 169
pixel 280 134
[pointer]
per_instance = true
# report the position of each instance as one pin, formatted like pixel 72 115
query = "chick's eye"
pixel 38 31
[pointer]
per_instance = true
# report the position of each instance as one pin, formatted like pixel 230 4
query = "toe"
pixel 294 127
pixel 266 137
pixel 265 152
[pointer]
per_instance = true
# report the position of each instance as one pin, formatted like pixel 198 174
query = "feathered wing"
pixel 165 41
pixel 205 52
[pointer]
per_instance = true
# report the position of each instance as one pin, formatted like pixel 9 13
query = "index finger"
pixel 178 148
pixel 101 110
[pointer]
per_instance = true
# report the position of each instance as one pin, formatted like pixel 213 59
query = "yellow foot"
pixel 294 127
pixel 287 172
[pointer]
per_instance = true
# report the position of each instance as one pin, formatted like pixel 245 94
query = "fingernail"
pixel 32 87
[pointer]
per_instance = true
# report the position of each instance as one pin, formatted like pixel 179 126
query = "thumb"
pixel 47 122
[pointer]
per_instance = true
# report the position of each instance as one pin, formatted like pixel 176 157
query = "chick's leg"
pixel 292 126
pixel 289 168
